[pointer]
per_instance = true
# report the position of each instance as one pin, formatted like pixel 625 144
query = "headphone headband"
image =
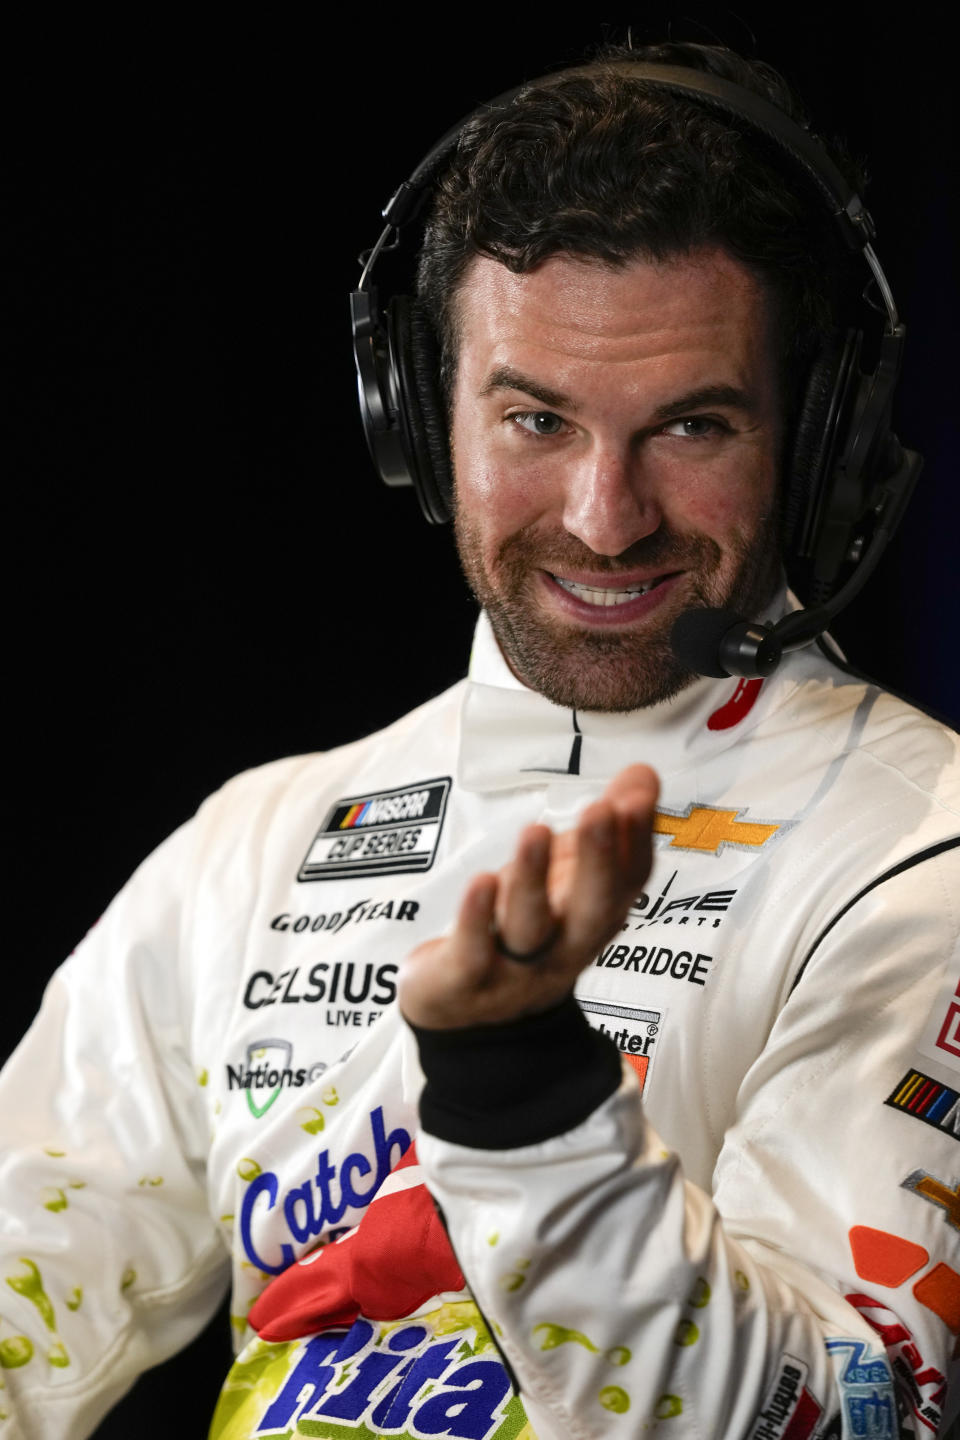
pixel 733 100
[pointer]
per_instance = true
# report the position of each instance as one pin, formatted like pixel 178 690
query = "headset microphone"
pixel 721 642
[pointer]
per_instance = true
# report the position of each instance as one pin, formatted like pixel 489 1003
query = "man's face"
pixel 615 437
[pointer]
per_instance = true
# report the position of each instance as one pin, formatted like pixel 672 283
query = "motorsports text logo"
pixel 701 827
pixel 388 832
pixel 268 1069
pixel 702 909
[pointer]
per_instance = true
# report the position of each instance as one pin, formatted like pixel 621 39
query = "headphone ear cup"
pixel 415 357
pixel 813 437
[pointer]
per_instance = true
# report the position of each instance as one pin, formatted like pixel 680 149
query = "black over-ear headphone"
pixel 849 478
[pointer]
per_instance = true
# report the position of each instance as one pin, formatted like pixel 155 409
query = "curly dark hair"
pixel 594 163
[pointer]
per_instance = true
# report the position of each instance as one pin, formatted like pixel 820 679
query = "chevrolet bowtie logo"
pixel 938 1192
pixel 704 828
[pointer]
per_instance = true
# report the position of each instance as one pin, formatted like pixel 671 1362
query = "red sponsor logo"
pixel 790 1412
pixel 735 709
pixel 922 1386
pixel 949 1037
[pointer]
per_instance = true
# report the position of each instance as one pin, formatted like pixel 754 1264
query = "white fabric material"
pixel 218 1076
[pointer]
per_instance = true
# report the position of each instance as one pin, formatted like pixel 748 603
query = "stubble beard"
pixel 604 669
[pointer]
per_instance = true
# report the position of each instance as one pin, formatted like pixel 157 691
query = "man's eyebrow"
pixel 504 377
pixel 729 397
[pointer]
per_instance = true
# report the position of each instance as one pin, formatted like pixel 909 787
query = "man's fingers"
pixel 557 902
pixel 633 794
pixel 613 857
pixel 596 881
pixel 471 933
pixel 441 978
pixel 523 917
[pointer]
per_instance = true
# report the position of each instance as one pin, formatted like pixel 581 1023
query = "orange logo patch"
pixel 940 1292
pixel 883 1258
pixel 889 1260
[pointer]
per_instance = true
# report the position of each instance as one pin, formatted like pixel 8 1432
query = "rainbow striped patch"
pixel 928 1100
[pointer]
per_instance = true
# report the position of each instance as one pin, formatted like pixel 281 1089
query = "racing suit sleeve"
pixel 815 1292
pixel 109 1260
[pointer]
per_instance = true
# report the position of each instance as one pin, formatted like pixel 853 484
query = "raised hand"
pixel 523 935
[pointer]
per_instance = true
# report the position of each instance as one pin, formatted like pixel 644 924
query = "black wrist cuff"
pixel 496 1087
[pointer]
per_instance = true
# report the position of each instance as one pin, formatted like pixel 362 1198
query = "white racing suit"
pixel 736 1216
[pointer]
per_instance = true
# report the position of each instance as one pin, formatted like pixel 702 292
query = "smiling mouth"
pixel 591 595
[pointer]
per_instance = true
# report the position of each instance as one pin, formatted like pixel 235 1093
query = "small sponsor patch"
pixel 268 1067
pixel 926 1099
pixel 389 832
pixel 940 1040
pixel 789 1411
pixel 922 1387
pixel 866 1385
pixel 634 1032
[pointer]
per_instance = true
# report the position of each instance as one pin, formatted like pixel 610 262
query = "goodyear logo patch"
pixel 926 1099
pixel 388 832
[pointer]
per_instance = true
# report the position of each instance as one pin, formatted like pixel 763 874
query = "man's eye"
pixel 696 427
pixel 539 422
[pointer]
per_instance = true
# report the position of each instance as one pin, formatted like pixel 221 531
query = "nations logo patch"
pixel 389 832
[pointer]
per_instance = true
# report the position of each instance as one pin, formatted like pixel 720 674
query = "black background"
pixel 205 572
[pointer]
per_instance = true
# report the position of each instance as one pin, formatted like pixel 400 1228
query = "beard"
pixel 606 669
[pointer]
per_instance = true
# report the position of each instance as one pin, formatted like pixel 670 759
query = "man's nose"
pixel 608 503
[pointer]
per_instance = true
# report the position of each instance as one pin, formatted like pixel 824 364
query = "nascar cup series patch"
pixel 388 832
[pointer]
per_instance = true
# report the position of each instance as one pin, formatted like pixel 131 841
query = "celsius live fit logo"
pixel 388 832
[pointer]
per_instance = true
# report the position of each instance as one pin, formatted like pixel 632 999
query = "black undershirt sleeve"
pixel 497 1087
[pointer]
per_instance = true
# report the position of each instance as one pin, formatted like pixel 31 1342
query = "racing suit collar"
pixel 511 736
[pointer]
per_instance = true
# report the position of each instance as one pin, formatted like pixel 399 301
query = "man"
pixel 669 1228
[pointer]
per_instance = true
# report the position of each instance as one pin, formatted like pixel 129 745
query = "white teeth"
pixel 593 596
